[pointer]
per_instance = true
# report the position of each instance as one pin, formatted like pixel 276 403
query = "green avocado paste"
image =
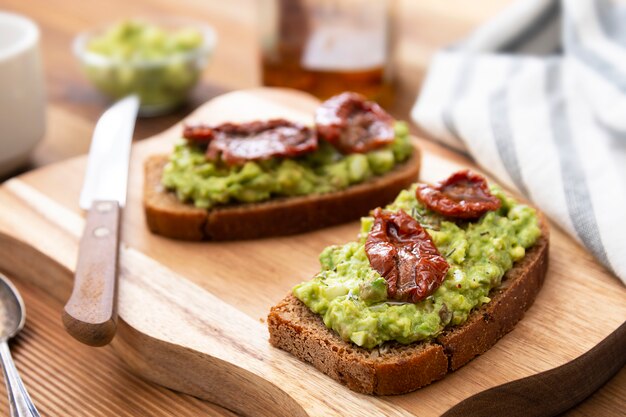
pixel 207 184
pixel 352 299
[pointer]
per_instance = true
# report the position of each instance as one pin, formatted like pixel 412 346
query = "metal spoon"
pixel 12 319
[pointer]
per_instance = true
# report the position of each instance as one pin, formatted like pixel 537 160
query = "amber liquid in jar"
pixel 326 47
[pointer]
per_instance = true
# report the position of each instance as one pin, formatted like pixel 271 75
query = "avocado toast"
pixel 276 177
pixel 345 322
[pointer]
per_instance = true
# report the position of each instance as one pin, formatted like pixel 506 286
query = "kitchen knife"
pixel 90 314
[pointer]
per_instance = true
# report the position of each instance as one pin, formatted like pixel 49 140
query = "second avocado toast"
pixel 276 177
pixel 433 280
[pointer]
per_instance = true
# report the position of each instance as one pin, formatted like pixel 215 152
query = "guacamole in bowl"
pixel 159 61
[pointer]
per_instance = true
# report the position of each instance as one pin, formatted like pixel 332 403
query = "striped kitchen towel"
pixel 538 98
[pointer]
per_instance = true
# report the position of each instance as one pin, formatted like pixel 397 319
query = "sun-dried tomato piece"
pixel 403 253
pixel 353 124
pixel 463 195
pixel 253 141
pixel 199 133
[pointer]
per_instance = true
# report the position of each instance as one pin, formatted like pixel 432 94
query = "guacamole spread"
pixel 352 297
pixel 207 184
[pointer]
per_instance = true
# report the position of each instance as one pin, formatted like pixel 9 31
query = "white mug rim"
pixel 28 36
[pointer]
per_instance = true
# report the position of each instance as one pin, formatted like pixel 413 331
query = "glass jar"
pixel 327 46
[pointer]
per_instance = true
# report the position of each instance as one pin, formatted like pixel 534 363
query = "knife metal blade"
pixel 90 314
pixel 109 154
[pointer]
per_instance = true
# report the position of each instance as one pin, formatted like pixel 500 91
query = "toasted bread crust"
pixel 396 368
pixel 167 216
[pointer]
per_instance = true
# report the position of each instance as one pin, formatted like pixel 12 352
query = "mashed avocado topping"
pixel 352 299
pixel 206 184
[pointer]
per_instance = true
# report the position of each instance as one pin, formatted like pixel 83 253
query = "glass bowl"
pixel 161 82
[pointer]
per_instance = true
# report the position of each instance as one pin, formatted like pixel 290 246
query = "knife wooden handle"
pixel 90 314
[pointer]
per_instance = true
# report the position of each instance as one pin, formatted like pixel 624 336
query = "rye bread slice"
pixel 169 217
pixel 394 368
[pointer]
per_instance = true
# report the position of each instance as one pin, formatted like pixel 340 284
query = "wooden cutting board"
pixel 192 314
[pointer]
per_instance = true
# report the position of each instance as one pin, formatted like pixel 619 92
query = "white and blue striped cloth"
pixel 538 98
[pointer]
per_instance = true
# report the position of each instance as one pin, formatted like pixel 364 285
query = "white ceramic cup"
pixel 22 97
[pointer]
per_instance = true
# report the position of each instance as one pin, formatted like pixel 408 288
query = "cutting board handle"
pixel 90 314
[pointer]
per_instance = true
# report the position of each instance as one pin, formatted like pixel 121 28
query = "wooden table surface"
pixel 66 378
